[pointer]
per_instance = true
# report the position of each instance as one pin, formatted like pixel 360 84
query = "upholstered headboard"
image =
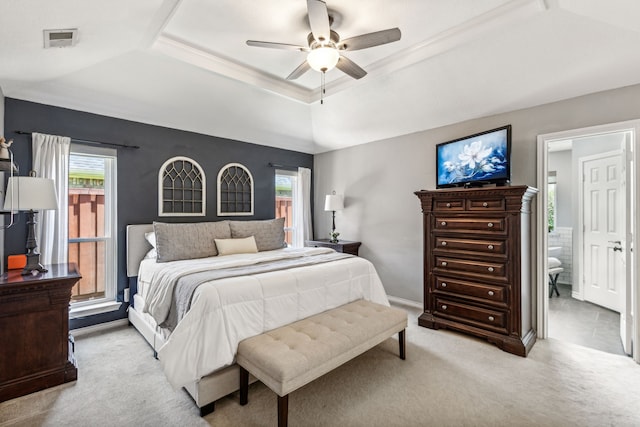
pixel 137 246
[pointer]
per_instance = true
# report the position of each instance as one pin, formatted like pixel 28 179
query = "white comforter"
pixel 226 311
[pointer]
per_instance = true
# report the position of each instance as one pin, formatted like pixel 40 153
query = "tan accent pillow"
pixel 236 246
pixel 269 233
pixel 176 241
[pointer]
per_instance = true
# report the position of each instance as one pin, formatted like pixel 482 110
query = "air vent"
pixel 60 38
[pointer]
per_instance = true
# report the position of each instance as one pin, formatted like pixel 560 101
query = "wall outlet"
pixel 126 294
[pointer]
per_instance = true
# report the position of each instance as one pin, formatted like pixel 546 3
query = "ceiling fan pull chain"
pixel 322 88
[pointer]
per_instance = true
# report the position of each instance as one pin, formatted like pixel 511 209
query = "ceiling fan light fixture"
pixel 323 58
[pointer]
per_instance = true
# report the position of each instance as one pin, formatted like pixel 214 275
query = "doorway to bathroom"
pixel 586 226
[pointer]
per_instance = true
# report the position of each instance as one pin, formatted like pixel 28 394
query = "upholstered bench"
pixel 291 356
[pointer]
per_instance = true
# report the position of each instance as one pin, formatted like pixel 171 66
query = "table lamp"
pixel 31 194
pixel 333 203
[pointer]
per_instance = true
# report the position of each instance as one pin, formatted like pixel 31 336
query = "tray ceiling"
pixel 185 63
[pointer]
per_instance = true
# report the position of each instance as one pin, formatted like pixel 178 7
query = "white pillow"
pixel 152 254
pixel 236 246
pixel 150 237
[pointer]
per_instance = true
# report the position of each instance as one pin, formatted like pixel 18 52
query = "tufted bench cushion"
pixel 291 356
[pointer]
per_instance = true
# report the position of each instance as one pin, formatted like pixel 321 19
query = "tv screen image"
pixel 477 159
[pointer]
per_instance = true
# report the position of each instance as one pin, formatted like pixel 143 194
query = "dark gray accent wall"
pixel 2 222
pixel 138 169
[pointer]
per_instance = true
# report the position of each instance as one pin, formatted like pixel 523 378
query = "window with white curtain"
pixel 286 192
pixel 92 228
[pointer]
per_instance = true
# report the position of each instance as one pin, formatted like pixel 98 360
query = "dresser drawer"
pixel 497 247
pixel 470 224
pixel 472 315
pixel 480 291
pixel 486 204
pixel 463 266
pixel 449 205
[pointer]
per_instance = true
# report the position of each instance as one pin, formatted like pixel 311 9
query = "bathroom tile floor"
pixel 583 323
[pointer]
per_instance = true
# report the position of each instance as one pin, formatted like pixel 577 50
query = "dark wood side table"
pixel 346 246
pixel 36 350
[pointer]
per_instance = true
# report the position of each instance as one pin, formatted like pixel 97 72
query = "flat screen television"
pixel 475 160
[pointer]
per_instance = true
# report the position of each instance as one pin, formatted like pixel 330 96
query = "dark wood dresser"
pixel 477 264
pixel 346 246
pixel 36 351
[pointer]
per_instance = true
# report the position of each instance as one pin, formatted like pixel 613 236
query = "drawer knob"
pixel 448 205
pixel 490 225
pixel 490 269
pixel 491 319
pixel 490 293
pixel 444 307
pixel 490 247
pixel 444 263
pixel 444 243
pixel 443 223
pixel 444 284
pixel 485 204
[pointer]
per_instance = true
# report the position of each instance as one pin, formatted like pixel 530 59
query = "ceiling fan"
pixel 325 47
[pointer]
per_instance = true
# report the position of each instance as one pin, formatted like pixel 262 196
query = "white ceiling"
pixel 185 64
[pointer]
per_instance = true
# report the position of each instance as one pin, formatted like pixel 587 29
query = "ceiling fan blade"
pixel 319 20
pixel 371 39
pixel 349 67
pixel 302 68
pixel 273 45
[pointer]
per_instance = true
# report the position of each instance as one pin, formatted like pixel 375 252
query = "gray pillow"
pixel 269 233
pixel 188 240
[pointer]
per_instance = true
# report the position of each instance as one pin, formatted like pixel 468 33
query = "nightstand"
pixel 346 246
pixel 37 351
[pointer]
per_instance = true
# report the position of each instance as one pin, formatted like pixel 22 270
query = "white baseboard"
pixel 405 302
pixel 99 327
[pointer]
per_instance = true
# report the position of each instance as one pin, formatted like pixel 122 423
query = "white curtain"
pixel 51 160
pixel 302 208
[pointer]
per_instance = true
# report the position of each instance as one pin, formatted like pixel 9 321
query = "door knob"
pixel 618 245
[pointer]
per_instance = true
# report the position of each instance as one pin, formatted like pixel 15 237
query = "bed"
pixel 230 295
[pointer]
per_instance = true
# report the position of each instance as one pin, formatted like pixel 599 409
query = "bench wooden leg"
pixel 283 410
pixel 401 344
pixel 207 409
pixel 244 386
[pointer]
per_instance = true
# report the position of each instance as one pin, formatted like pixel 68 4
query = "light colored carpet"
pixel 448 379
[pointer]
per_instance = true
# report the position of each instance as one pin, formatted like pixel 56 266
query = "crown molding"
pixel 512 11
pixel 442 42
pixel 218 64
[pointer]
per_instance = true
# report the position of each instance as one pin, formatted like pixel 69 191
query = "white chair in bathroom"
pixel 555 268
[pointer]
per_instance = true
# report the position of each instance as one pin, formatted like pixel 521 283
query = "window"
pixel 181 188
pixel 92 225
pixel 286 182
pixel 552 201
pixel 235 190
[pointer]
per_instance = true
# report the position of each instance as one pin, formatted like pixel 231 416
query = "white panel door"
pixel 604 223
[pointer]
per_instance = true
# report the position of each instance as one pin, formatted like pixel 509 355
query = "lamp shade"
pixel 26 193
pixel 333 202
